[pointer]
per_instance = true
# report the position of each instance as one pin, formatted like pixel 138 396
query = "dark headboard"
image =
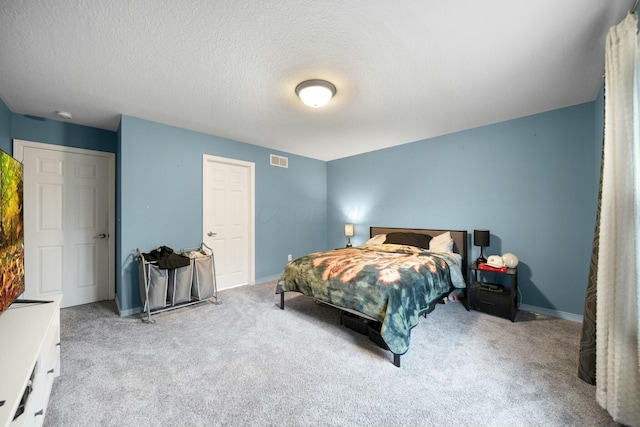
pixel 459 239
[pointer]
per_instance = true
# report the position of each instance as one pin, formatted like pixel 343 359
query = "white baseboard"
pixel 552 313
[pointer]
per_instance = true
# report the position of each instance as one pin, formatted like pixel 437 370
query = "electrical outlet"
pixel 289 257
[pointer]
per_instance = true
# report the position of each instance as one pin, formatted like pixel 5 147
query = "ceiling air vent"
pixel 279 161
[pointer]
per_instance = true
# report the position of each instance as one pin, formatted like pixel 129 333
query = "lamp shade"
pixel 348 230
pixel 315 93
pixel 481 237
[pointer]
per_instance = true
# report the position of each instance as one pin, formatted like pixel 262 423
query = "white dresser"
pixel 29 360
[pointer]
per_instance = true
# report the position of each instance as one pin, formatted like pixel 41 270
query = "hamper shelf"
pixel 171 288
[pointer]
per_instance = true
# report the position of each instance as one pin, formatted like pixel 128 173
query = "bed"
pixel 398 275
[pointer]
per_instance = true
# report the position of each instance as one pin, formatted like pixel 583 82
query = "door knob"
pixel 212 234
pixel 101 236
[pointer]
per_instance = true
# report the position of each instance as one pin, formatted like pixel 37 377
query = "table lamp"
pixel 481 238
pixel 348 231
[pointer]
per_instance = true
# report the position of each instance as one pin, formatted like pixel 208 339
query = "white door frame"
pixel 207 158
pixel 18 153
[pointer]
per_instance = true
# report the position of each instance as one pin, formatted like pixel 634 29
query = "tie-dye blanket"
pixel 390 283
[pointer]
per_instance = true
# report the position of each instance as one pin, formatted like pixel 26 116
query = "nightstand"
pixel 493 292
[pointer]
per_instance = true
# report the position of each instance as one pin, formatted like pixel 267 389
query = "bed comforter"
pixel 390 283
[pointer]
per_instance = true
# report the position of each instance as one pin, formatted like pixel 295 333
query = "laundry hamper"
pixel 179 286
pixel 167 288
pixel 153 285
pixel 204 276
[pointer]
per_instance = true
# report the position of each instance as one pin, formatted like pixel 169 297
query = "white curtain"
pixel 618 296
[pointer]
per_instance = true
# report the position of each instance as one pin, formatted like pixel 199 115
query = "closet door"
pixel 68 226
pixel 228 219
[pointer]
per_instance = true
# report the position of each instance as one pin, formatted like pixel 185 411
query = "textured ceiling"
pixel 404 71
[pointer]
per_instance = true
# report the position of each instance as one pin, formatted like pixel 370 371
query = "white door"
pixel 68 216
pixel 228 218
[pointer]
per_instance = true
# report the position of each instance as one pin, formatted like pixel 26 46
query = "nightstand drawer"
pixel 500 298
pixel 498 303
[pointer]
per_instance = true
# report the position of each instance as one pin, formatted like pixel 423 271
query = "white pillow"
pixel 378 239
pixel 441 243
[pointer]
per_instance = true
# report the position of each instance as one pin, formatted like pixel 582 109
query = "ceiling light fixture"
pixel 315 93
pixel 64 115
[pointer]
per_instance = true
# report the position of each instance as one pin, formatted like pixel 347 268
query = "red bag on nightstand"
pixel 484 266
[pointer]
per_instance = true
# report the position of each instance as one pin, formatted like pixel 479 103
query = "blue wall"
pixel 161 199
pixel 544 170
pixel 37 129
pixel 531 181
pixel 5 128
pixel 57 132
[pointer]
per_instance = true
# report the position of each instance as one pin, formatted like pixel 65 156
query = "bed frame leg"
pixel 396 359
pixel 282 301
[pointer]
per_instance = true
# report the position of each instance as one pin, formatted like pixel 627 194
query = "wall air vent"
pixel 279 161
